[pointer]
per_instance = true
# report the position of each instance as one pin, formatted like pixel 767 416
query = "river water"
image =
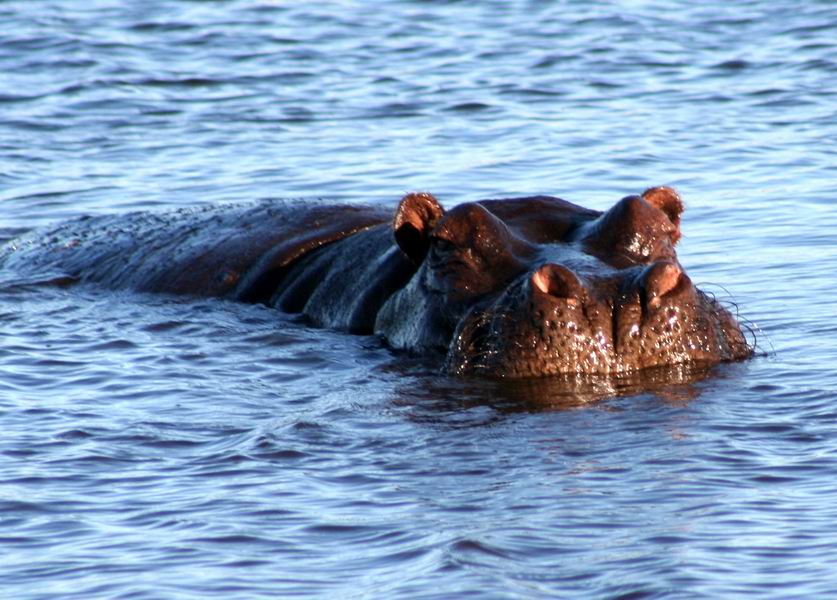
pixel 159 447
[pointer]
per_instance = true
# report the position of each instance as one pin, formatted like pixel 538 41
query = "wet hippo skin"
pixel 520 287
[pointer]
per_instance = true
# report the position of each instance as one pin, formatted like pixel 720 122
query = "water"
pixel 179 448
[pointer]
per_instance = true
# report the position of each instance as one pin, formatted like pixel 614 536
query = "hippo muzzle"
pixel 551 323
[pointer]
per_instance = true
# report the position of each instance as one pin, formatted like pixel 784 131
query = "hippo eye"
pixel 447 257
pixel 443 246
pixel 441 250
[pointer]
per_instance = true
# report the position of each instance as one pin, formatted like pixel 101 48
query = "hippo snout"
pixel 555 321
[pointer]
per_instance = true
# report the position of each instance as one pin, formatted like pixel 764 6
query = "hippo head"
pixel 538 286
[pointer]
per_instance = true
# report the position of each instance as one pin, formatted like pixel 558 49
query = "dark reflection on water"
pixel 675 386
pixel 180 448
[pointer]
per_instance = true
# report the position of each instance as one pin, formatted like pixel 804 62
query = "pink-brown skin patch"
pixel 538 286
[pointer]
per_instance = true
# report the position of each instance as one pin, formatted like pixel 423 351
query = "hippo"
pixel 506 288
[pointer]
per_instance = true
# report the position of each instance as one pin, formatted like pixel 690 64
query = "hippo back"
pixel 206 251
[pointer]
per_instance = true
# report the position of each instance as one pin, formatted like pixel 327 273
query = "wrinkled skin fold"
pixel 523 287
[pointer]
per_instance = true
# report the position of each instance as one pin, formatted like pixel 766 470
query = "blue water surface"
pixel 159 447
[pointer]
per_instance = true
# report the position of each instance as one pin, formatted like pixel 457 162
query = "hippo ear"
pixel 668 201
pixel 416 216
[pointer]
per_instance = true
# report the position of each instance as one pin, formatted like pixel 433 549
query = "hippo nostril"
pixel 557 281
pixel 658 280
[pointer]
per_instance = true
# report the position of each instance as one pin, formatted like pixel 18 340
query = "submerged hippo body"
pixel 510 288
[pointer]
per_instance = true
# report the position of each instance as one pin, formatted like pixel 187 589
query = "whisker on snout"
pixel 477 340
pixel 753 333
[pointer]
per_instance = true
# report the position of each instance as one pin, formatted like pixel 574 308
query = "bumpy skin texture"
pixel 508 288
